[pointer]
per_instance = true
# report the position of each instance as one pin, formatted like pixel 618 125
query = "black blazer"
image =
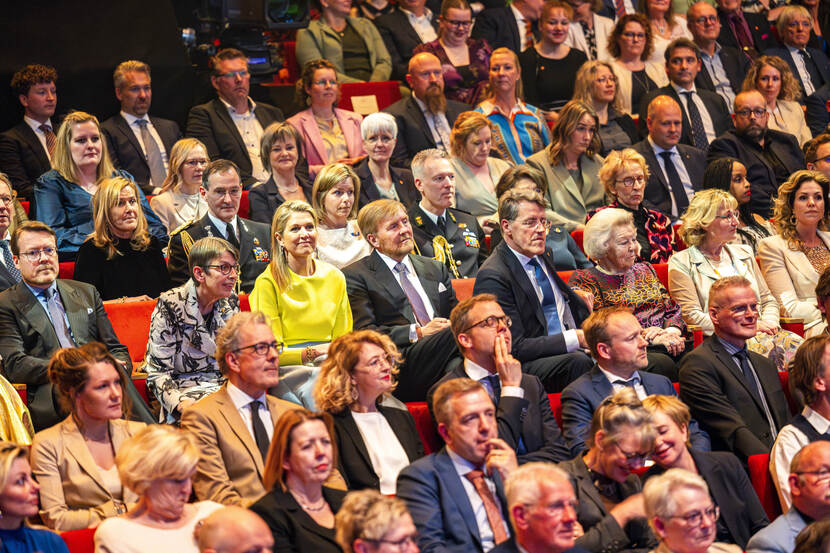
pixel 817 115
pixel 23 158
pixel 759 28
pixel 736 66
pixel 731 490
pixel 28 340
pixel 464 235
pixel 404 185
pixel 413 131
pixel 126 152
pixel 716 391
pixel 528 419
pixel 498 26
pixel 294 531
pixel 818 56
pixel 714 104
pixel 212 124
pixel 657 193
pixel 503 275
pixel 602 532
pixel 400 39
pixel 354 462
pixel 763 181
pixel 264 198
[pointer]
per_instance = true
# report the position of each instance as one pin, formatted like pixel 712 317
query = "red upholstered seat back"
pixel 79 541
pixel 386 93
pixel 556 406
pixel 131 322
pixel 763 485
pixel 426 427
pixel 66 269
pixel 463 288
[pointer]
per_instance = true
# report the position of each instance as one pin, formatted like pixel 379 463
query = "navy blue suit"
pixel 582 397
pixel 818 56
pixel 438 503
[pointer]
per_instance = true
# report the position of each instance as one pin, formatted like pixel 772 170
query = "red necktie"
pixel 51 140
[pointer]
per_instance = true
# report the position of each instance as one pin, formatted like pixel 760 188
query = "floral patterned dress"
pixel 655 233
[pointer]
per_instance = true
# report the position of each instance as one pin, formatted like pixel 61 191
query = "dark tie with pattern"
pixel 699 138
pixel 812 69
pixel 51 139
pixel 495 386
pixel 681 200
pixel 153 153
pixel 442 225
pixel 7 259
pixel 58 314
pixel 260 434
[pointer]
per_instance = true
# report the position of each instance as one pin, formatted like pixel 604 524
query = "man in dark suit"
pixel 9 275
pixel 817 114
pixel 222 190
pixel 705 115
pixel 26 149
pixel 513 27
pixel 525 420
pixel 723 67
pixel 809 65
pixel 448 492
pixel 406 27
pixel 449 235
pixel 41 314
pixel 675 170
pixel 425 118
pixel 615 338
pixel 747 32
pixel 546 313
pixel 231 126
pixel 138 143
pixel 770 156
pixel 405 296
pixel 734 394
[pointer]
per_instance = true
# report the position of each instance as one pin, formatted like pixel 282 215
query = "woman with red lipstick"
pixel 357 376
pixel 18 503
pixel 121 259
pixel 729 174
pixel 179 201
pixel 793 259
pixel 298 508
pixel 334 198
pixel 741 512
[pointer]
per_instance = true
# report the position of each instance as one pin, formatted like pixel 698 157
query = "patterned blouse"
pixel 638 289
pixel 518 134
pixel 654 232
pixel 464 83
pixel 179 359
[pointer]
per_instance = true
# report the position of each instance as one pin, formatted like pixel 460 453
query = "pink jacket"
pixel 313 147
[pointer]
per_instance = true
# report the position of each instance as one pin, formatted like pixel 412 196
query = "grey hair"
pixel 375 123
pixel 421 158
pixel 600 229
pixel 510 201
pixel 525 486
pixel 659 491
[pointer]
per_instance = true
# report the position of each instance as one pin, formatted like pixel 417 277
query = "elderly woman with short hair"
pixel 610 239
pixel 157 464
pixel 369 522
pixel 378 179
pixel 624 175
pixel 334 199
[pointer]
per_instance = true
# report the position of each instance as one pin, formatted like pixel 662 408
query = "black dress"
pixel 131 274
pixel 548 83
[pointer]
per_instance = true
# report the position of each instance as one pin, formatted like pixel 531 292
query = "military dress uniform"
pixel 462 247
pixel 254 249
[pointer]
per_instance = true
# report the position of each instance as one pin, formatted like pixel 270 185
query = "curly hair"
pixel 301 96
pixel 783 212
pixel 27 77
pixel 334 390
pixel 569 118
pixel 107 197
pixel 790 89
pixel 616 35
pixel 584 85
pixel 702 210
pixel 620 160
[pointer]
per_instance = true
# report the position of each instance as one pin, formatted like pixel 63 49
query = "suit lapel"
pixel 76 312
pixel 562 175
pixel 449 476
pixel 602 387
pixel 386 279
pixel 430 286
pixel 34 143
pixel 587 487
pixel 312 131
pixel 229 412
pixel 35 314
pixel 350 427
pixel 222 113
pixel 651 158
pixel 245 241
pixel 731 364
pixel 406 26
pixel 75 446
pixel 416 113
pixel 125 129
pixel 523 281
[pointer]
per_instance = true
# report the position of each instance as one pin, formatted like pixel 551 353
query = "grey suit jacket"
pixel 779 536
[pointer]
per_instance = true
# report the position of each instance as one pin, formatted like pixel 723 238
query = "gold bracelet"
pixel 309 355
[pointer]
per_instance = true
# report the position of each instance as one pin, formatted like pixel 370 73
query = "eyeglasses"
pixel 532 224
pixel 34 255
pixel 325 82
pixel 822 475
pixel 491 322
pixel 746 113
pixel 456 23
pixel 794 24
pixel 196 162
pixel 632 36
pixel 234 74
pixel 824 159
pixel 705 19
pixel 729 215
pixel 696 517
pixel 262 348
pixel 605 79
pixel 634 458
pixel 629 182
pixel 557 508
pixel 398 544
pixel 224 268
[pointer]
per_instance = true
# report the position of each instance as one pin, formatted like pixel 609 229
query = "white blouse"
pixel 385 450
pixel 341 246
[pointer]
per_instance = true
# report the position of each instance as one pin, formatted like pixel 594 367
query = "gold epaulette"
pixel 187 242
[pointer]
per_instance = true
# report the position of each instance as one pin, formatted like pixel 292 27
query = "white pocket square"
pixel 441 287
pixel 89 311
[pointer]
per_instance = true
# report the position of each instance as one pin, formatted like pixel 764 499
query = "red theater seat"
pixel 79 541
pixel 556 407
pixel 463 288
pixel 244 205
pixel 763 485
pixel 131 322
pixel 577 236
pixel 386 93
pixel 25 205
pixel 244 302
pixel 426 428
pixel 66 269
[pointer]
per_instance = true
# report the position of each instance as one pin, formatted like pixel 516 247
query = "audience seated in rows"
pixel 137 143
pixel 809 65
pixel 378 177
pixel 304 298
pixel 334 198
pixel 407 26
pixel 630 46
pixel 451 236
pixel 369 521
pixel 233 530
pixel 222 189
pixel 9 274
pixel 180 363
pixel 157 465
pixel 741 409
pixel 234 426
pixel 375 438
pixel 41 314
pixel 231 125
pixel 523 414
pixel 772 77
pixel 180 200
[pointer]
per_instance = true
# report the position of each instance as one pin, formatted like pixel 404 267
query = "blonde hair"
pixel 518 90
pixel 368 515
pixel 659 491
pixel 622 414
pixel 702 211
pixel 178 156
pixel 789 86
pixel 9 453
pixel 330 176
pixel 62 160
pixel 106 197
pixel 787 14
pixel 119 76
pixel 466 124
pixel 672 407
pixel 334 391
pixel 619 160
pixel 371 214
pixel 585 77
pixel 279 262
pixel 157 451
pixel 783 212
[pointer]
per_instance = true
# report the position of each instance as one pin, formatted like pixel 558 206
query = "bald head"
pixel 810 492
pixel 664 121
pixel 234 530
pixel 424 73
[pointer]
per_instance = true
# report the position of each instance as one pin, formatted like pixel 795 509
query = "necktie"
pixel 58 314
pixel 442 225
pixel 699 138
pixel 491 508
pixel 755 387
pixel 632 382
pixel 812 69
pixel 151 150
pixel 528 35
pixel 232 236
pixel 548 298
pixel 260 434
pixel 442 130
pixel 7 259
pixel 743 35
pixel 51 140
pixel 418 307
pixel 620 8
pixel 681 200
pixel 495 387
